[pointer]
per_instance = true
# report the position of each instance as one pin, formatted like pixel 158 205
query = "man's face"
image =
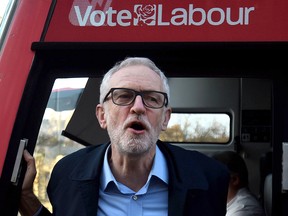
pixel 135 128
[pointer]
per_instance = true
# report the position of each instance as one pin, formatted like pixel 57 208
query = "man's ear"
pixel 167 116
pixel 234 179
pixel 100 114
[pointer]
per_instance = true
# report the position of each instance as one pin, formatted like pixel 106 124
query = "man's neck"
pixel 131 171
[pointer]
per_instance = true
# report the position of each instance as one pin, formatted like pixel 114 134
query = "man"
pixel 240 201
pixel 134 173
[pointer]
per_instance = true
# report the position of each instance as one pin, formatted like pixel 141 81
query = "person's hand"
pixel 30 174
pixel 29 203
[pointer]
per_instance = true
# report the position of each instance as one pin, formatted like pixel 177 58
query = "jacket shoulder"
pixel 192 160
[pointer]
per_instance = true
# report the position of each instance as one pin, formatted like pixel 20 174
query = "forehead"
pixel 137 77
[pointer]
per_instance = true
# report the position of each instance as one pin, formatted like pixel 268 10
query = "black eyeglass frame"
pixel 165 103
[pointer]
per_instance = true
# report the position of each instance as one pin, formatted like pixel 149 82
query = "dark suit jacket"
pixel 198 184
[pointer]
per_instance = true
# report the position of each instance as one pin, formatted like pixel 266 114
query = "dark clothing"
pixel 198 185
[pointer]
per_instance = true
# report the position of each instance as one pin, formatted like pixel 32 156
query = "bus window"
pixel 6 8
pixel 51 145
pixel 200 128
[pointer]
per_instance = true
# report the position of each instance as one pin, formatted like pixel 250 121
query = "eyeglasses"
pixel 125 97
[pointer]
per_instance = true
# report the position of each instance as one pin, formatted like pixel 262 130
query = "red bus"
pixel 224 59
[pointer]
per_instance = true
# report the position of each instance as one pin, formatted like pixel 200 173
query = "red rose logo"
pixel 145 14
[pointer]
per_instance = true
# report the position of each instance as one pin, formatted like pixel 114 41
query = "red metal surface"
pixel 169 21
pixel 15 62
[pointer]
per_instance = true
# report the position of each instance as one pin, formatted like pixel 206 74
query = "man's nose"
pixel 138 104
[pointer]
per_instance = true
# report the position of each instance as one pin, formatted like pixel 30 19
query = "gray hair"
pixel 131 61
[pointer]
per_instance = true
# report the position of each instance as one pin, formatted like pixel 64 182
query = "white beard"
pixel 130 143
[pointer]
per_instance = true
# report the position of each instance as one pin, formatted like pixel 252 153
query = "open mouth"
pixel 137 126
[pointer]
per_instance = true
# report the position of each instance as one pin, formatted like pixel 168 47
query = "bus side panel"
pixel 15 61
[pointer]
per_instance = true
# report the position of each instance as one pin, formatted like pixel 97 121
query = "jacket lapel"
pixel 90 195
pixel 176 200
pixel 187 186
pixel 87 174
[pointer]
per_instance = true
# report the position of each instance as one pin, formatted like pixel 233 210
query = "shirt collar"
pixel 159 169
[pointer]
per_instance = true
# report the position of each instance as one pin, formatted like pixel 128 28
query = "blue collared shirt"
pixel 119 200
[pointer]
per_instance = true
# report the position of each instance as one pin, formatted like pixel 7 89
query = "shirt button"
pixel 134 197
